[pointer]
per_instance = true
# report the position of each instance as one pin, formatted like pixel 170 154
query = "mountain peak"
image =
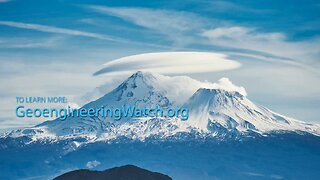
pixel 140 78
pixel 218 92
pixel 139 90
pixel 214 98
pixel 142 74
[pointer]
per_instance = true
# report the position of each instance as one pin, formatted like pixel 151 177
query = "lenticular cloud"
pixel 170 63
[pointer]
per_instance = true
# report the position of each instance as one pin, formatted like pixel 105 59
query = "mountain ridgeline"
pixel 215 109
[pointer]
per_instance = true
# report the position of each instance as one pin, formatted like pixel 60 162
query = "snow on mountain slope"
pixel 138 90
pixel 214 109
pixel 218 109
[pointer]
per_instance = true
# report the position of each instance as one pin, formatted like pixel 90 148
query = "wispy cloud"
pixel 185 28
pixel 4 1
pixel 26 43
pixel 52 29
pixel 174 24
pixel 275 43
pixel 232 7
pixel 241 33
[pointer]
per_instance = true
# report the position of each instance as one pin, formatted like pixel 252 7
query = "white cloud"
pixel 272 42
pixel 170 23
pixel 170 63
pixel 92 164
pixel 226 84
pixel 176 90
pixel 52 29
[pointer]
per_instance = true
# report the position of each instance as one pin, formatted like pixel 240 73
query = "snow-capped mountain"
pixel 226 136
pixel 214 109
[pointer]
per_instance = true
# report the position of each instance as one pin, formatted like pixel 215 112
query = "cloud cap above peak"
pixel 170 63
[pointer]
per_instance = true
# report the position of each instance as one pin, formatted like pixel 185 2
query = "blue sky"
pixel 54 47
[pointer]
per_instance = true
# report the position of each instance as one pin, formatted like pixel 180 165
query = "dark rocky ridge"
pixel 127 172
